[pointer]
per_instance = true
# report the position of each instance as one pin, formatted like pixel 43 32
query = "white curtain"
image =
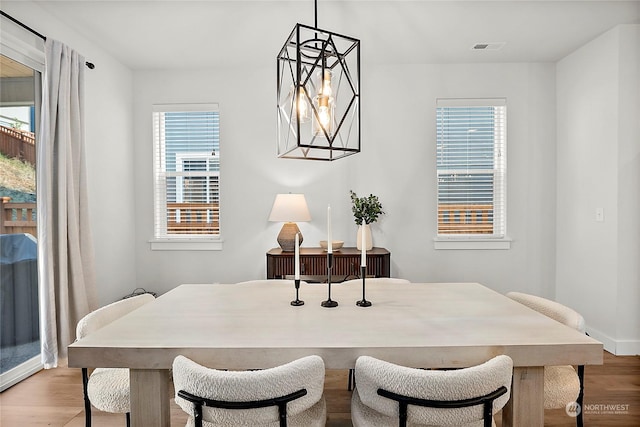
pixel 65 249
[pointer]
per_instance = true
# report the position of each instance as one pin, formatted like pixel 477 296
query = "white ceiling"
pixel 215 33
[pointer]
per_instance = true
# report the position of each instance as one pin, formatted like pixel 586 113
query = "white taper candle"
pixel 297 256
pixel 363 243
pixel 329 242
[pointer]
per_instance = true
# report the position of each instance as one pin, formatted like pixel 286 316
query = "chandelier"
pixel 318 94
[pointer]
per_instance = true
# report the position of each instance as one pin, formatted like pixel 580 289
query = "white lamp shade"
pixel 290 208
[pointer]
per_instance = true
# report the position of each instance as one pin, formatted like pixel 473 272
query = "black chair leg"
pixel 87 403
pixel 352 379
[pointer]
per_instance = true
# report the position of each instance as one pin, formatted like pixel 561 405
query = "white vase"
pixel 367 237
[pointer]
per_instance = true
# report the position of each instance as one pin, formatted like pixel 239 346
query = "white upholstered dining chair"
pixel 107 388
pixel 390 395
pixel 563 385
pixel 287 395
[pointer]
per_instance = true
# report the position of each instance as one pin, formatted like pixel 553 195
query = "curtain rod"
pixel 89 65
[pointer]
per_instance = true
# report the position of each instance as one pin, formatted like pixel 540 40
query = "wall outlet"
pixel 599 214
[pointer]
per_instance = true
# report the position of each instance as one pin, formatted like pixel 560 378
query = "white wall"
pixel 397 163
pixel 108 97
pixel 628 337
pixel 598 101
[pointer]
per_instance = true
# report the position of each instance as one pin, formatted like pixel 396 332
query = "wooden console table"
pixel 313 264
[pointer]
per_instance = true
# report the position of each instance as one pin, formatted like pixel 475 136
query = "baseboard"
pixel 628 348
pixel 20 372
pixel 617 347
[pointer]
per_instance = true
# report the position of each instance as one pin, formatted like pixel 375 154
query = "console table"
pixel 313 264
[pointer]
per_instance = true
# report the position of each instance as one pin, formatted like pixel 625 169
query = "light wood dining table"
pixel 253 325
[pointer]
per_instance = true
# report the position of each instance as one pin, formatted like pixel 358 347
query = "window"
pixel 471 166
pixel 186 173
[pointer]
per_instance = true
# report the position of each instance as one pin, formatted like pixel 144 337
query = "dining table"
pixel 253 325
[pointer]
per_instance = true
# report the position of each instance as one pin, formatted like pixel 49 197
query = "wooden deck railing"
pixel 18 217
pixel 18 144
pixel 193 218
pixel 465 219
pixel 204 218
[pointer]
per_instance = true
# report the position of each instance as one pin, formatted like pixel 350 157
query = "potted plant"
pixel 366 210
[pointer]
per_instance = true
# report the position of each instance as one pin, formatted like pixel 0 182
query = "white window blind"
pixel 471 168
pixel 186 171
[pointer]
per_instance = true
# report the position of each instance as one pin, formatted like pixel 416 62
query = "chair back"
pixel 552 309
pixel 380 280
pixel 270 282
pixel 226 395
pixel 107 314
pixel 378 382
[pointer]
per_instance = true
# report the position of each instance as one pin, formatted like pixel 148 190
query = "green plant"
pixel 16 124
pixel 366 209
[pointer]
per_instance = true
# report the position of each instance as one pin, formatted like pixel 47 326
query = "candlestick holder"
pixel 297 302
pixel 363 302
pixel 329 303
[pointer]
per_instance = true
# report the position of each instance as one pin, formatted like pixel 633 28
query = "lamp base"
pixel 287 236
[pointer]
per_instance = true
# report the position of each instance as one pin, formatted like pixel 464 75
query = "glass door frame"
pixel 26 48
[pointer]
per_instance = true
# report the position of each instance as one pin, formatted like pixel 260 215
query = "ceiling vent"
pixel 488 46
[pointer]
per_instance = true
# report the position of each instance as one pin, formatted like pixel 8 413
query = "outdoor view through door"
pixel 19 314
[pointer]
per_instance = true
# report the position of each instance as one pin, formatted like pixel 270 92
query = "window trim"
pixel 503 243
pixel 22 46
pixel 478 241
pixel 181 242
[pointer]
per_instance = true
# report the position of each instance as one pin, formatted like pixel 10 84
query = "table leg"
pixel 149 397
pixel 526 406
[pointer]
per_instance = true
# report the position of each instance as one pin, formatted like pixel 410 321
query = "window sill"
pixel 471 244
pixel 186 244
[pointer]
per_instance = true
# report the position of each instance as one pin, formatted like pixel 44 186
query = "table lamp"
pixel 289 208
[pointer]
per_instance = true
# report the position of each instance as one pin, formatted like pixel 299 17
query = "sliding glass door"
pixel 19 312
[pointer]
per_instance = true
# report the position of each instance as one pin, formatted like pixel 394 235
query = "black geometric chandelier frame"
pixel 318 95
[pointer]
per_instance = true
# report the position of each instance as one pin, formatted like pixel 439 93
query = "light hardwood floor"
pixel 54 398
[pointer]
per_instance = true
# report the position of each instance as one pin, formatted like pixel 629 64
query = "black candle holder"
pixel 363 302
pixel 297 302
pixel 329 303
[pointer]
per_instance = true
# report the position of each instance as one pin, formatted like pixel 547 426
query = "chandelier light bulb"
pixel 324 103
pixel 326 84
pixel 323 110
pixel 301 110
pixel 302 105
